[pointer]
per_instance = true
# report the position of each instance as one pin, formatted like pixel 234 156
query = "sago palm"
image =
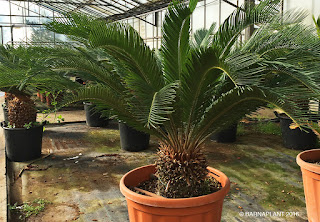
pixel 22 72
pixel 192 88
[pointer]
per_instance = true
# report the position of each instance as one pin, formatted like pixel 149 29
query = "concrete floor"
pixel 81 175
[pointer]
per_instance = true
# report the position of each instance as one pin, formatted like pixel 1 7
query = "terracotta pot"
pixel 42 97
pixel 311 182
pixel 49 100
pixel 143 208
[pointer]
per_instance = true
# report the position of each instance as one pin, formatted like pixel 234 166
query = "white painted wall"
pixel 312 6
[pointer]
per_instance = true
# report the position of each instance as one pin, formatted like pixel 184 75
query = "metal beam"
pixel 139 10
pixel 230 3
pixel 66 3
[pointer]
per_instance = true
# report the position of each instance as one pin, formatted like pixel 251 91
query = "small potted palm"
pixel 22 71
pixel 93 117
pixel 188 90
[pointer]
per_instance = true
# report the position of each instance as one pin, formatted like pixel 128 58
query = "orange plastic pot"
pixel 143 208
pixel 311 182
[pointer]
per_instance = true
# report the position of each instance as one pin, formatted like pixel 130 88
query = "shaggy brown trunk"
pixel 181 177
pixel 21 109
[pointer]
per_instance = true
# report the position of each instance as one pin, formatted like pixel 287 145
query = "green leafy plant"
pixel 27 125
pixel 11 126
pixel 23 71
pixel 193 88
pixel 54 102
pixel 28 209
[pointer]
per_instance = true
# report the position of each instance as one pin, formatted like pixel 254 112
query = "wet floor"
pixel 82 167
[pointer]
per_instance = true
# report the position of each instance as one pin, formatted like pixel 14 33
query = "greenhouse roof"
pixel 111 9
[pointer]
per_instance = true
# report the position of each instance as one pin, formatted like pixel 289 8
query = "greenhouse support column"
pixel 250 29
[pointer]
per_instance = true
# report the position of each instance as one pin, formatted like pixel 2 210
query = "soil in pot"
pixel 23 144
pixel 316 162
pixel 133 140
pixel 151 185
pixel 93 117
pixel 296 138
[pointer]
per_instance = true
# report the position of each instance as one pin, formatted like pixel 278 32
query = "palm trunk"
pixel 180 176
pixel 21 109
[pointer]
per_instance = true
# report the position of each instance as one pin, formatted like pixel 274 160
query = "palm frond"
pixel 87 64
pixel 175 43
pixel 232 106
pixel 160 107
pixel 105 99
pixel 203 37
pixel 25 69
pixel 317 24
pixel 240 19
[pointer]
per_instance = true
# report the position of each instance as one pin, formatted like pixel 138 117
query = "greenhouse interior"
pixel 160 110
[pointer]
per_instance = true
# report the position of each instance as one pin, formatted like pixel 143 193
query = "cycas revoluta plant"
pixel 195 87
pixel 22 72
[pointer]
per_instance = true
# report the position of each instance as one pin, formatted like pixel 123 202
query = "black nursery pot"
pixel 131 139
pixel 93 117
pixel 296 138
pixel 23 144
pixel 228 135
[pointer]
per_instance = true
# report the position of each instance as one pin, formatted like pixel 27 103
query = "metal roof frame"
pixel 110 9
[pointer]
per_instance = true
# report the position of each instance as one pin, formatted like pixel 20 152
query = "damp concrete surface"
pixel 81 167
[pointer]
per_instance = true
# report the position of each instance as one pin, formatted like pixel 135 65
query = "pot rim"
pixel 176 202
pixel 306 165
pixel 16 129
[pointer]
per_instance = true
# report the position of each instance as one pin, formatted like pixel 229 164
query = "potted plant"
pixel 309 161
pixel 93 116
pixel 22 71
pixel 294 137
pixel 187 91
pixel 228 135
pixel 131 139
pixel 23 139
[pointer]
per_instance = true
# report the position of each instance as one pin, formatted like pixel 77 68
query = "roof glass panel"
pixel 115 9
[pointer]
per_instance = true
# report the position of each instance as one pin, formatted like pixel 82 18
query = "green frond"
pixel 76 26
pixel 105 99
pixel 203 37
pixel 317 24
pixel 193 87
pixel 119 40
pixel 160 107
pixel 125 44
pixel 87 64
pixel 233 106
pixel 203 72
pixel 25 69
pixel 240 19
pixel 193 4
pixel 175 43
